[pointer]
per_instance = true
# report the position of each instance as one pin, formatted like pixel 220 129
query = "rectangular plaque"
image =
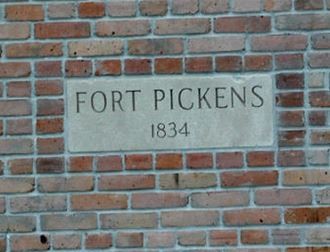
pixel 161 113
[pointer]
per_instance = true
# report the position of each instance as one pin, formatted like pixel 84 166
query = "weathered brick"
pixel 242 24
pixel 220 199
pixel 14 31
pixel 292 99
pixel 252 236
pixel 122 8
pixel 315 79
pixel 322 196
pixel 50 165
pixel 15 108
pixel 158 200
pixel 66 241
pixel 155 46
pixel 198 64
pixel 61 10
pixel 28 204
pixel 223 238
pixel 19 89
pixel 290 81
pixel 91 9
pixel 169 161
pixel 260 158
pixel 137 66
pixel 306 215
pixel 81 164
pixel 95 48
pixel 225 160
pixel 281 42
pixel 246 6
pixel 283 197
pixel 168 65
pixel 109 163
pixel 320 137
pixel 227 43
pixel 138 161
pixel 319 60
pixel 187 180
pixel 286 236
pixel 321 41
pixel 58 30
pixel 213 6
pixel 33 49
pixel 317 235
pixel 291 158
pixel 291 138
pixel 76 221
pixel 318 157
pixel 48 107
pixel 122 28
pixel 258 62
pixel 129 240
pixel 24 12
pixel 78 68
pixel 14 224
pixel 187 7
pixel 308 4
pixel 16 185
pixel 29 243
pixel 14 69
pixel 16 146
pixel 98 241
pixel 19 126
pixel 306 177
pixel 192 238
pixel 199 160
pixel 107 67
pixel 228 63
pixel 249 178
pixel 182 26
pixel 319 99
pixel 303 21
pixel 49 126
pixel 86 202
pixel 254 216
pixel 65 184
pixel 20 166
pixel 48 87
pixel 129 220
pixel 153 8
pixel 160 240
pixel 189 218
pixel 277 5
pixel 289 61
pixel 48 69
pixel 126 182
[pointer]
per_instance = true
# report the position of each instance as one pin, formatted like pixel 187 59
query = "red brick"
pixel 87 202
pixel 138 161
pixel 320 137
pixel 289 138
pixel 3 245
pixel 1 173
pixel 48 68
pixel 29 242
pixel 109 163
pixel 78 68
pixel 19 89
pixel 291 118
pixel 50 165
pixel 260 158
pixel 50 145
pixel 138 66
pixel 223 238
pixel 62 30
pixel 199 160
pixel 24 12
pixel 306 215
pixel 287 42
pixel 122 8
pixel 242 24
pixel 91 9
pixel 291 158
pixel 48 87
pixel 168 65
pixel 319 60
pixel 321 41
pixel 192 238
pixel 228 63
pixel 307 249
pixel 19 126
pixel 277 5
pixel 228 43
pixel 198 64
pixel 187 180
pixel 227 160
pixel 61 10
pixel 308 4
pixel 169 161
pixel 17 185
pixel 155 46
pixel 20 166
pixel 283 197
pixel 14 31
pixel 1 89
pixel 122 28
pixel 252 236
pixel 65 184
pixel 188 7
pixel 126 182
pixel 98 241
pixel 289 61
pixel 129 240
pixel 129 220
pixel 81 164
pixel 50 126
pixel 290 81
pixel 319 99
pixel 33 49
pixel 306 177
pixel 15 69
pixel 249 178
pixel 1 127
pixel 182 26
pixel 158 200
pixel 213 6
pixel 66 241
pixel 189 218
pixel 16 146
pixel 303 22
pixel 161 240
pixel 258 62
pixel 255 216
pixel 47 107
pixel 107 67
pixel 292 99
pixel 220 199
pixel 153 8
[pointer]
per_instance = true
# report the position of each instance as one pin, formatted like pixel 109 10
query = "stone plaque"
pixel 167 113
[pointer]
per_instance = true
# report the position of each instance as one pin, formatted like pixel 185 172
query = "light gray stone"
pixel 197 112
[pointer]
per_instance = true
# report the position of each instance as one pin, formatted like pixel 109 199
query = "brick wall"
pixel 250 199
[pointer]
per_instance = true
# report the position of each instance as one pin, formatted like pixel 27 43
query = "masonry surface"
pixel 273 199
